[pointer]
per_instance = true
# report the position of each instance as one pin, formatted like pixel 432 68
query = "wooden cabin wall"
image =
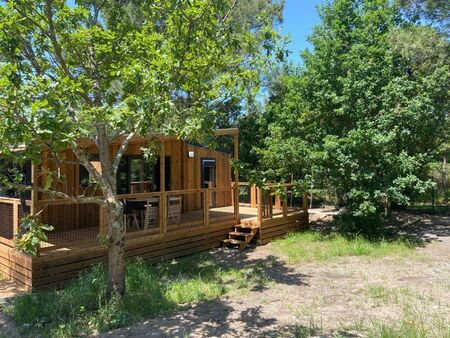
pixel 185 171
pixel 68 173
pixel 193 176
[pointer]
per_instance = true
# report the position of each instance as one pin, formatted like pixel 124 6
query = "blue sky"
pixel 299 18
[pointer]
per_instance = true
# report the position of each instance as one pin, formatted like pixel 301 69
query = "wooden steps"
pixel 242 235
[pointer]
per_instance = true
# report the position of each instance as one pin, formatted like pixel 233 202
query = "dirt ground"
pixel 333 298
pixel 328 298
pixel 8 289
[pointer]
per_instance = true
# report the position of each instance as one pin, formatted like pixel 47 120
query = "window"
pixel 142 175
pixel 137 175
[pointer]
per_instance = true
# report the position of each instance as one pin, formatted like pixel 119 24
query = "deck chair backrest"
pixel 151 213
pixel 174 209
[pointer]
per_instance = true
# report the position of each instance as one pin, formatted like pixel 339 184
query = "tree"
pixel 366 115
pixel 433 11
pixel 110 70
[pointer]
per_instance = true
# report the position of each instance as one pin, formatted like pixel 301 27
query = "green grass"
pixel 81 308
pixel 386 295
pixel 422 325
pixel 313 246
pixel 416 322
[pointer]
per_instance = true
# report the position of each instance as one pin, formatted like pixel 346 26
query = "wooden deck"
pixel 189 219
pixel 65 255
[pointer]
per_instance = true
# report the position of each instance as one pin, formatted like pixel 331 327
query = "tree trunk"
pixel 116 249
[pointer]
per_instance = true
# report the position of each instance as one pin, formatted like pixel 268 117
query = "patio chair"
pixel 129 216
pixel 151 213
pixel 174 210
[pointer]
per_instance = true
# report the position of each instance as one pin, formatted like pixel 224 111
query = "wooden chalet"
pixel 186 202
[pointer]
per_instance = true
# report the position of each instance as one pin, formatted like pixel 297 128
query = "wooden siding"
pixel 15 265
pixel 193 176
pixel 278 227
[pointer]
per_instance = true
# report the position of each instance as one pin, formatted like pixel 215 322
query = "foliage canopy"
pixel 366 112
pixel 108 70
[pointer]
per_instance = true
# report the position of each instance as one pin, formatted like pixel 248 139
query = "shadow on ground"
pixel 424 229
pixel 418 229
pixel 268 269
pixel 219 317
pixel 207 319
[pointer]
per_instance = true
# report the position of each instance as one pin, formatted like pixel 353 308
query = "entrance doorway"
pixel 209 177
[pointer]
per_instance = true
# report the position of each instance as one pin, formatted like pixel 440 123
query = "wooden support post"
pixel 269 197
pixel 162 182
pixel 34 208
pixel 305 202
pixel 236 178
pixel 232 194
pixel 277 202
pixel 101 219
pixel 15 218
pixel 253 196
pixel 285 206
pixel 206 200
pixel 260 206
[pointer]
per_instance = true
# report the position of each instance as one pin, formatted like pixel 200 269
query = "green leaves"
pixel 166 66
pixel 367 111
pixel 31 234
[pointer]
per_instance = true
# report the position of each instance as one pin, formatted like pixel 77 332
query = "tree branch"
pixel 123 148
pixel 88 165
pixel 55 194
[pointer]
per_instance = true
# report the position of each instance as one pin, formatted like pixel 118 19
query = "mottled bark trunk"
pixel 116 249
pixel 115 229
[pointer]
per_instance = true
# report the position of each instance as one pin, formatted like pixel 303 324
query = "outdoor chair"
pixel 129 216
pixel 174 210
pixel 151 213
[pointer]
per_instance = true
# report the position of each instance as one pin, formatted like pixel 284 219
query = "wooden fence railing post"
pixel 260 206
pixel 277 202
pixel 15 218
pixel 206 200
pixel 269 203
pixel 285 206
pixel 305 202
pixel 163 213
pixel 253 201
pixel 101 219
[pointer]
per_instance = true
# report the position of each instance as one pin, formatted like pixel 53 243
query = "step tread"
pixel 238 233
pixel 247 226
pixel 233 241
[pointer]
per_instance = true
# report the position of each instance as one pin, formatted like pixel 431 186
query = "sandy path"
pixel 331 297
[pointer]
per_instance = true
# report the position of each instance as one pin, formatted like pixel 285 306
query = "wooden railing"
pixel 10 217
pixel 195 207
pixel 270 203
pixel 77 223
